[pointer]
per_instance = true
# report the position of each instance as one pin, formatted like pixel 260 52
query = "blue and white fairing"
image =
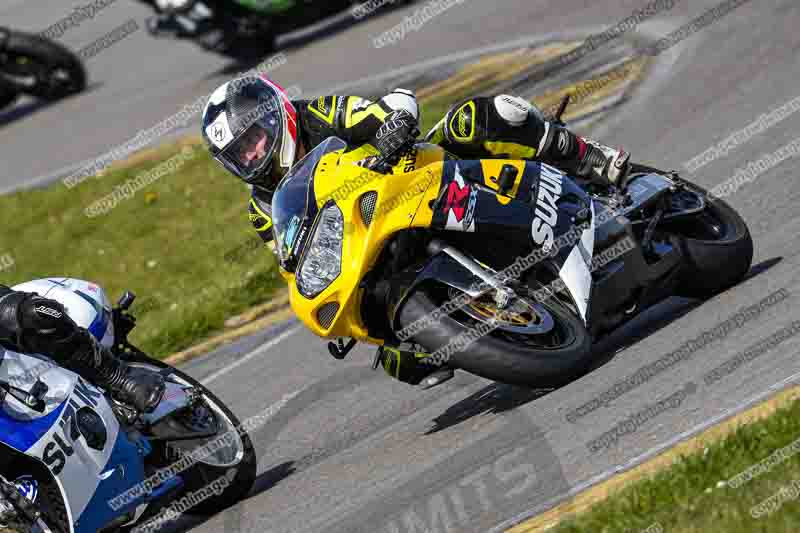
pixel 555 192
pixel 87 478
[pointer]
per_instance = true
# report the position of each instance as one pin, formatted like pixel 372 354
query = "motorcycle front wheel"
pixel 543 345
pixel 237 461
pixel 46 497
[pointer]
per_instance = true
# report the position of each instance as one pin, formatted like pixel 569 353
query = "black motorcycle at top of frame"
pixel 38 67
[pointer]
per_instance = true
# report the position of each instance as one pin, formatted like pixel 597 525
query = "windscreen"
pixel 290 204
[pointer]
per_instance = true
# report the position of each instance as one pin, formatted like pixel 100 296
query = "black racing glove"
pixel 42 315
pixel 45 327
pixel 395 135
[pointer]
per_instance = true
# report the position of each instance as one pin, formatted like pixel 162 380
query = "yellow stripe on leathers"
pixel 510 150
pixel 351 118
pixel 322 109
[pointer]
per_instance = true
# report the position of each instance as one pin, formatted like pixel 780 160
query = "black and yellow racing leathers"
pixel 502 126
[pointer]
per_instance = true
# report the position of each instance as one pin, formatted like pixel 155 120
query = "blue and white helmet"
pixel 86 303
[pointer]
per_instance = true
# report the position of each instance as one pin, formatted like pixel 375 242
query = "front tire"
pixel 49 499
pixel 500 357
pixel 201 474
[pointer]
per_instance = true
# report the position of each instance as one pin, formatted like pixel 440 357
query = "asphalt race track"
pixel 350 450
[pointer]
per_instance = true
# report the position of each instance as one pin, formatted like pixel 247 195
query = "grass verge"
pixel 166 242
pixel 695 495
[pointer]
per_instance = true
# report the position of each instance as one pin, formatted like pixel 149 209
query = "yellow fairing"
pixel 402 202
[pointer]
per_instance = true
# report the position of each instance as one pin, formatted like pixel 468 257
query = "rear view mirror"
pixel 126 300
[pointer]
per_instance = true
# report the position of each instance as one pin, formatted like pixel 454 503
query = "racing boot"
pixel 410 367
pixel 181 18
pixel 137 387
pixel 605 163
pixel 586 158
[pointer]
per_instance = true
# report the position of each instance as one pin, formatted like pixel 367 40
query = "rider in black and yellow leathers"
pixel 258 133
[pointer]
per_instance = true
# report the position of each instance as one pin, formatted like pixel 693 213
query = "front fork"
pixel 15 508
pixel 460 271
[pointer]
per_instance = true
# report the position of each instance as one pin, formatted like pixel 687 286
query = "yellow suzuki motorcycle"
pixel 506 269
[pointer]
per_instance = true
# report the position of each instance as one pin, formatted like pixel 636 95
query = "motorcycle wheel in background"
pixel 40 67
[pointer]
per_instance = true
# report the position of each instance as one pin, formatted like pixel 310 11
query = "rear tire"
pixel 716 244
pixel 716 265
pixel 500 359
pixel 203 474
pixel 718 249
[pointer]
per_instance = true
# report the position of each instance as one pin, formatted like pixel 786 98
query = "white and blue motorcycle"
pixel 74 460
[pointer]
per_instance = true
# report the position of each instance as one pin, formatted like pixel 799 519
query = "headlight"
pixel 323 261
